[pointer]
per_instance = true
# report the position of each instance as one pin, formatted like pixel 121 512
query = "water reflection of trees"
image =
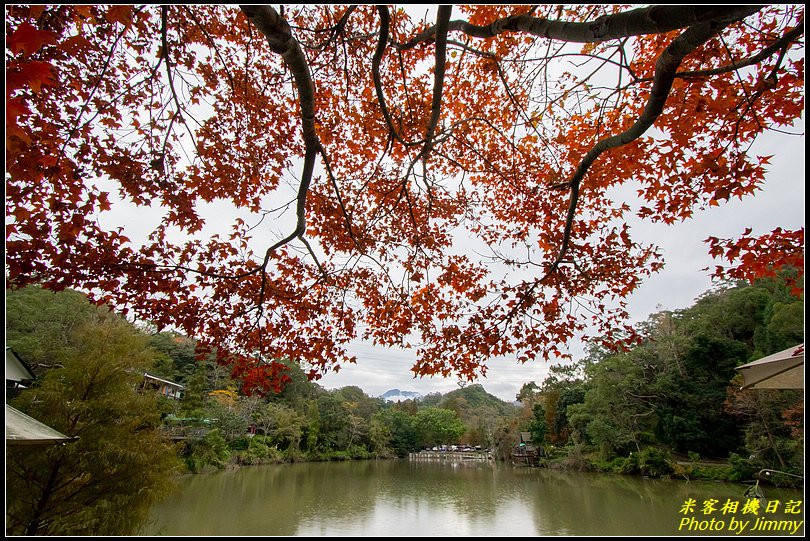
pixel 567 503
pixel 400 497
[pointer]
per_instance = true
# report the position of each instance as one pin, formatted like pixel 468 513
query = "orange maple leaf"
pixel 120 14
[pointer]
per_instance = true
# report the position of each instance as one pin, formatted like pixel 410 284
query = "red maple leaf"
pixel 28 39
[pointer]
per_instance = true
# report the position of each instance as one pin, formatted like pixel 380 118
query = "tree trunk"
pixel 44 500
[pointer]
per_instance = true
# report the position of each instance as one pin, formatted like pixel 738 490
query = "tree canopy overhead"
pixel 446 184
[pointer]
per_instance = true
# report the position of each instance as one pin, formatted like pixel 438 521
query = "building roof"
pixel 782 370
pixel 16 369
pixel 149 376
pixel 22 429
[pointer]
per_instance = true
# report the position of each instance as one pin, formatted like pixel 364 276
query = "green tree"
pixel 528 393
pixel 179 361
pixel 770 438
pixel 359 402
pixel 379 435
pixel 505 438
pixel 617 408
pixel 690 408
pixel 334 421
pixel 299 389
pixel 783 317
pixel 672 388
pixel 402 434
pixel 208 453
pixel 196 391
pixel 37 320
pixel 283 425
pixel 313 426
pixel 106 481
pixel 564 385
pixel 436 426
pixel 356 429
pixel 538 425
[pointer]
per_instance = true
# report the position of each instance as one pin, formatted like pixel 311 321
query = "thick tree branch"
pixel 442 21
pixel 281 41
pixel 336 30
pixel 382 43
pixel 779 45
pixel 665 72
pixel 637 22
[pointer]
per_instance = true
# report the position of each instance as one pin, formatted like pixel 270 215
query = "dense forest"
pixel 675 398
pixel 670 406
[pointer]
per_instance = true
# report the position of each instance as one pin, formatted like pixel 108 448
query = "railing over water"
pixel 451 455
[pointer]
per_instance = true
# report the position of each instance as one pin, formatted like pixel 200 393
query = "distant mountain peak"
pixel 395 395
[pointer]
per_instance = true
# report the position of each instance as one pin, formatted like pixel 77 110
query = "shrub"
pixel 239 444
pixel 741 469
pixel 651 462
pixel 611 466
pixel 209 452
pixel 629 465
pixel 259 452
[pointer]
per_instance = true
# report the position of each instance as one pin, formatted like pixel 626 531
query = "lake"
pixel 459 498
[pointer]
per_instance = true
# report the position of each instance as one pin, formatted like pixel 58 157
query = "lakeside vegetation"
pixel 668 407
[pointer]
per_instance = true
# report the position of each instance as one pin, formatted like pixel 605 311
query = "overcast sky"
pixel 779 204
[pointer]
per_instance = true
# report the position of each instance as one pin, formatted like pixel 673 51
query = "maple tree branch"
pixel 332 32
pixel 343 210
pixel 512 98
pixel 335 30
pixel 400 216
pixel 190 13
pixel 312 254
pixel 522 112
pixel 382 43
pixel 408 101
pixel 164 52
pixel 665 73
pixel 92 92
pixel 637 22
pixel 768 83
pixel 442 21
pixel 281 41
pixel 778 45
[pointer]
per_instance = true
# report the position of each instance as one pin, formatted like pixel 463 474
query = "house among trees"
pixel 165 387
pixel 525 453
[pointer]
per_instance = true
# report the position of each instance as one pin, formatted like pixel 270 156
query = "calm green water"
pixel 420 498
